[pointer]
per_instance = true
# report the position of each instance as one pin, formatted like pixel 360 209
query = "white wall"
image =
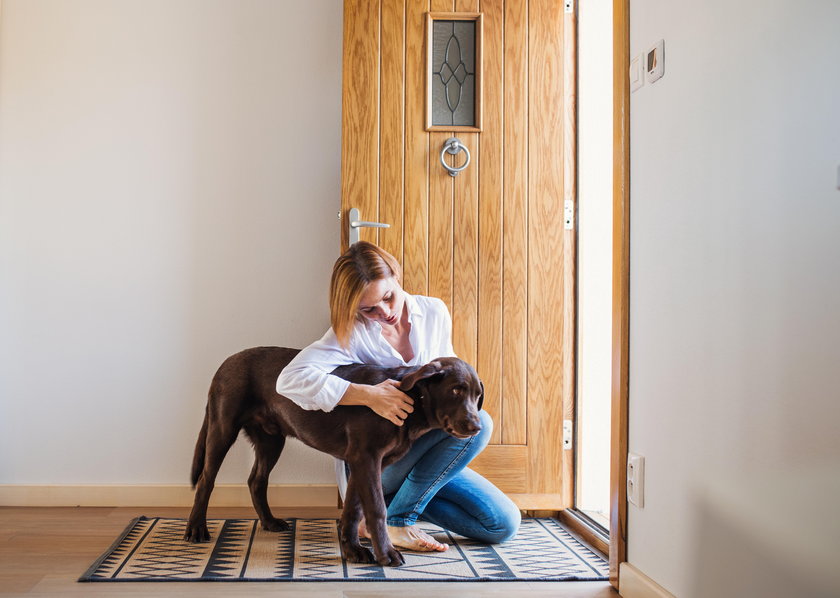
pixel 735 258
pixel 595 138
pixel 169 183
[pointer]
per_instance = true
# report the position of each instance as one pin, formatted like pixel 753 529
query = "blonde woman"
pixel 375 321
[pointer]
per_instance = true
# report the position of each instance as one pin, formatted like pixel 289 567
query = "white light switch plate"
pixel 637 72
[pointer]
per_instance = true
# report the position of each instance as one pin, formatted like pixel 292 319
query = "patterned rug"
pixel 153 549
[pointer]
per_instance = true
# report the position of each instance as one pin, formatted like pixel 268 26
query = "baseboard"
pixel 175 495
pixel 632 583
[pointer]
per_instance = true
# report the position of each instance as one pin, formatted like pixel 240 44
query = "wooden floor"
pixel 44 550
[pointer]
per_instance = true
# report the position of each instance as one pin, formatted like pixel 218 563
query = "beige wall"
pixel 169 183
pixel 734 292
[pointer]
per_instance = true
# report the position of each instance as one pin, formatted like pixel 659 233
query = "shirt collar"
pixel 414 310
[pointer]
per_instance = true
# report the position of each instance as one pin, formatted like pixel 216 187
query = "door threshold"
pixel 587 529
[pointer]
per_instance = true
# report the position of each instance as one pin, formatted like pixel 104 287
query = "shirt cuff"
pixel 331 392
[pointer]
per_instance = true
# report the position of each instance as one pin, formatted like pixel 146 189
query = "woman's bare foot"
pixel 410 537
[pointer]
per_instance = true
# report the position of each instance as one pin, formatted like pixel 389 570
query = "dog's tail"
pixel 200 450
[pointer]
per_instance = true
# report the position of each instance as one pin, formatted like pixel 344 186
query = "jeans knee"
pixel 504 524
pixel 483 436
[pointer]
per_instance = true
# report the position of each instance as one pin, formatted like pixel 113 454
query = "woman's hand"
pixel 385 398
pixel 388 401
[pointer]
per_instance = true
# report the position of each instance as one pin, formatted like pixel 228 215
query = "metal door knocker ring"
pixel 453 145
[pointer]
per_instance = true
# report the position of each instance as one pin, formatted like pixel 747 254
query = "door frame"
pixel 621 288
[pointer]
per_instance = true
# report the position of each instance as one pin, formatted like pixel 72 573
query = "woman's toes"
pixel 414 539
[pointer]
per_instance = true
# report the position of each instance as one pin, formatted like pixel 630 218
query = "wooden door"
pixel 490 242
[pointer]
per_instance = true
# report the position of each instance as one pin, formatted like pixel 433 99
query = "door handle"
pixel 355 224
pixel 453 145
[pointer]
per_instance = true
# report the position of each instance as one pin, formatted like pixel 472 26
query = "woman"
pixel 375 321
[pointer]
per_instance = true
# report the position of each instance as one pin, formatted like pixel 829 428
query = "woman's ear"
pixel 433 368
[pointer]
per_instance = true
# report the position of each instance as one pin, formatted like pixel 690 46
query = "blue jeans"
pixel 432 483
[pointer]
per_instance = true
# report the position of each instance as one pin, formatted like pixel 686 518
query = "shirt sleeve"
pixel 307 379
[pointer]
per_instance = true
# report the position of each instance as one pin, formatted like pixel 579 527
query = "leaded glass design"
pixel 453 73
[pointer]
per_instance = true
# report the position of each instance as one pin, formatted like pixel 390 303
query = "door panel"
pixel 392 131
pixel 545 246
pixel 490 212
pixel 515 224
pixel 360 157
pixel 490 242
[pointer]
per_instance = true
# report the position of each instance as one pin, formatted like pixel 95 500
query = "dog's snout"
pixel 471 427
pixel 462 427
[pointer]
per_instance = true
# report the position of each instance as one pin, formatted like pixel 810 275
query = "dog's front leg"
pixel 369 485
pixel 348 527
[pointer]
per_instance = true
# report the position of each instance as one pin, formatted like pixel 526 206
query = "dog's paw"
pixel 391 558
pixel 275 525
pixel 356 553
pixel 197 532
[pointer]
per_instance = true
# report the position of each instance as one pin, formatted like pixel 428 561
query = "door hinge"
pixel 569 6
pixel 568 435
pixel 569 214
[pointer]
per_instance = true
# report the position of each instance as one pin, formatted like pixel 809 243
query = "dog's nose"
pixel 470 426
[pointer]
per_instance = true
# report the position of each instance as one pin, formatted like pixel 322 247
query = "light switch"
pixel 655 61
pixel 637 72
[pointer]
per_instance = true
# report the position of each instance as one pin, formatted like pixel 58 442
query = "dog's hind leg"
pixel 220 437
pixel 267 449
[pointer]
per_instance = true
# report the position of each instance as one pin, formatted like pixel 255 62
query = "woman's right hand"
pixel 385 399
pixel 388 401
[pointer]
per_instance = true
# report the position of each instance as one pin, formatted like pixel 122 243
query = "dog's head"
pixel 451 394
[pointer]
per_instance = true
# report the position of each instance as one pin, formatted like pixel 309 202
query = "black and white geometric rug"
pixel 153 549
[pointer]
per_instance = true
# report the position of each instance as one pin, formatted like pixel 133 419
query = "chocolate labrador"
pixel 447 394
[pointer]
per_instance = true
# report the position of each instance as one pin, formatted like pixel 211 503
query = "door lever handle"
pixel 355 224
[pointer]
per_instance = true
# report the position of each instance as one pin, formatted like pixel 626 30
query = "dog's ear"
pixel 480 398
pixel 432 368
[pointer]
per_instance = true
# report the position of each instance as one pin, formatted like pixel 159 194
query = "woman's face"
pixel 382 301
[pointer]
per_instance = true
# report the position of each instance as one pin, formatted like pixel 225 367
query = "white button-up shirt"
pixel 307 379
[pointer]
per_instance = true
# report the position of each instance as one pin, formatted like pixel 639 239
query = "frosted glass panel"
pixel 453 73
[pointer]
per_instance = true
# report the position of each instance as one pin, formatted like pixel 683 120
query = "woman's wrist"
pixel 356 394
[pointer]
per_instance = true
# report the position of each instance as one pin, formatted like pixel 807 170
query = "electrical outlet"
pixel 655 61
pixel 636 480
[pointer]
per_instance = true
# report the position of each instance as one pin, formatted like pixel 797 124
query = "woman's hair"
pixel 357 267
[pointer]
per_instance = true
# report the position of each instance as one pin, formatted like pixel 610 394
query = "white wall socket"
pixel 636 480
pixel 655 61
